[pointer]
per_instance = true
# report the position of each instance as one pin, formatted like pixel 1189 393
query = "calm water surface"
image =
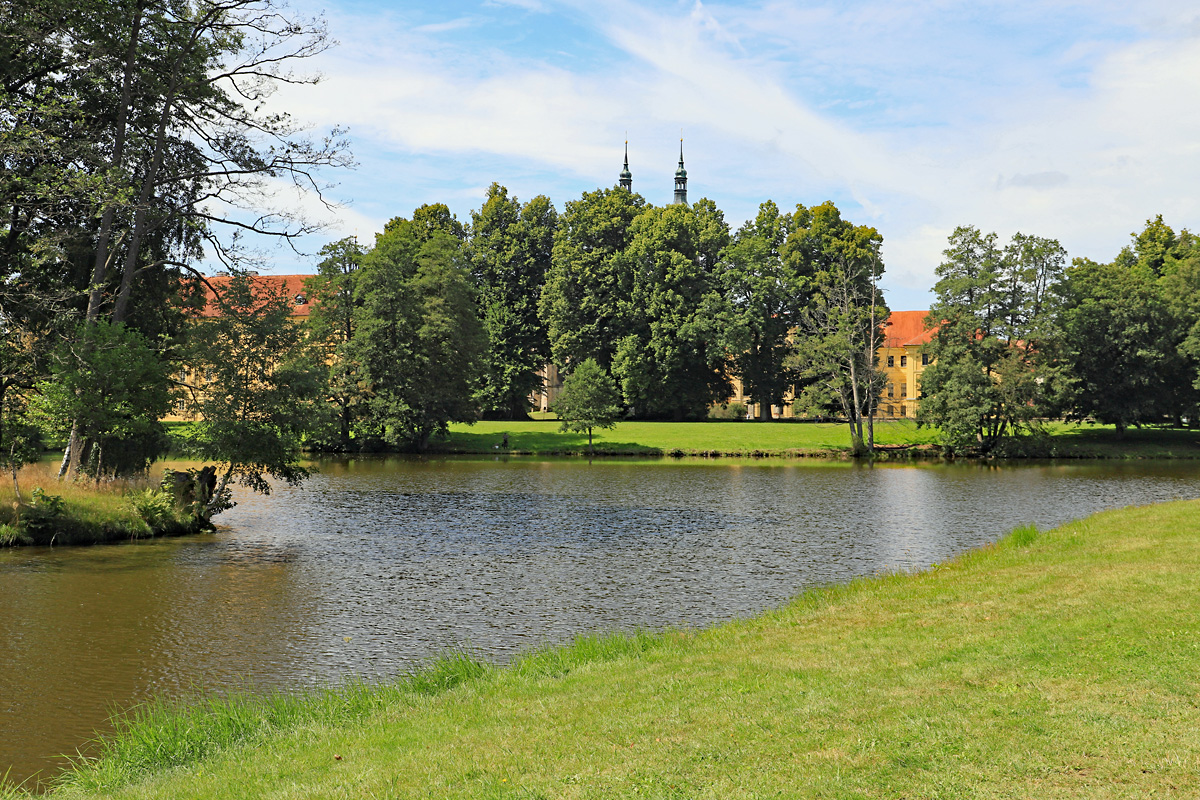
pixel 377 564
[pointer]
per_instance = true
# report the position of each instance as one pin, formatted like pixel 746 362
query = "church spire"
pixel 680 179
pixel 626 175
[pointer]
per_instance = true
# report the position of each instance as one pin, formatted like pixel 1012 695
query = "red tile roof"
pixel 290 285
pixel 906 329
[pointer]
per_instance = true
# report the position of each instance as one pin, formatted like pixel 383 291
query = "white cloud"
pixel 919 117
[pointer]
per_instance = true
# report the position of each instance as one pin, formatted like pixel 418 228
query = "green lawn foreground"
pixel 682 438
pixel 1055 665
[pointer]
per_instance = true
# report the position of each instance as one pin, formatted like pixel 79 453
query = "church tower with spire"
pixel 680 180
pixel 626 175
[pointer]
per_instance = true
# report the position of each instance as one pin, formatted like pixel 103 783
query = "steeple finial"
pixel 680 178
pixel 626 175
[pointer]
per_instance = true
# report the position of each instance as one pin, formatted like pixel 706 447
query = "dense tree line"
pixel 442 321
pixel 1023 337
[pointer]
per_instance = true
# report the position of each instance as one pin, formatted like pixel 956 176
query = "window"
pixel 891 361
pixel 903 410
pixel 301 299
pixel 904 390
pixel 924 359
pixel 891 390
pixel 904 361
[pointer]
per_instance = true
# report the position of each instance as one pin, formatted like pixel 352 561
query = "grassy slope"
pixel 1065 664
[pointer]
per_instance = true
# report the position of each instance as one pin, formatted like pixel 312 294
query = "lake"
pixel 376 564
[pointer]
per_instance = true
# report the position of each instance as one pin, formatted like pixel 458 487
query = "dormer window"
pixel 301 299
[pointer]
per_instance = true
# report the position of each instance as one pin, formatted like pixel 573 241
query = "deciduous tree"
pixel 671 359
pixel 254 388
pixel 419 341
pixel 510 250
pixel 589 399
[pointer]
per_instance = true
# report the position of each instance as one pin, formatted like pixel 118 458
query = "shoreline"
pixel 1026 648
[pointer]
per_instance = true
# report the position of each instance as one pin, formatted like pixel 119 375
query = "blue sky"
pixel 1072 120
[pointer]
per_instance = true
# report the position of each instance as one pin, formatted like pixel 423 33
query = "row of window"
pixel 891 390
pixel 904 360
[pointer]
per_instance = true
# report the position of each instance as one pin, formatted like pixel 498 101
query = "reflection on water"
pixel 377 564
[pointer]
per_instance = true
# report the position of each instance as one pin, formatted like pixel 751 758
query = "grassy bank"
pixel 69 513
pixel 1059 664
pixel 897 437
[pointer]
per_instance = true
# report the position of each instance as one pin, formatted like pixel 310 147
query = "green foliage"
pixel 586 289
pixel 1130 330
pixel 767 294
pixel 154 506
pixel 510 250
pixel 996 368
pixel 419 342
pixel 840 326
pixel 113 387
pixel 12 536
pixel 331 328
pixel 259 387
pixel 728 411
pixel 588 400
pixel 670 360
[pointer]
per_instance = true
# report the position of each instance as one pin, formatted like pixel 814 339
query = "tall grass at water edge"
pixel 83 512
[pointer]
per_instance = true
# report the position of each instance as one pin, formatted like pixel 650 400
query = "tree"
pixel 671 360
pixel 586 290
pixel 840 329
pixel 510 250
pixel 996 368
pixel 253 389
pixel 589 399
pixel 767 295
pixel 111 388
pixel 331 330
pixel 134 133
pixel 20 439
pixel 419 340
pixel 1122 344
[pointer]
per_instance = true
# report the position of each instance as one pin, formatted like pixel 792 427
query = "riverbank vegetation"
pixel 1053 664
pixel 49 512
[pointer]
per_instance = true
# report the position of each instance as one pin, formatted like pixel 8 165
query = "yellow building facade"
pixel 901 359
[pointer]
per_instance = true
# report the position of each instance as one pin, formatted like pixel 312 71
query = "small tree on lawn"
pixel 589 399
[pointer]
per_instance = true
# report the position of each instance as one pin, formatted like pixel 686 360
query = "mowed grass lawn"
pixel 1060 439
pixel 690 438
pixel 1063 664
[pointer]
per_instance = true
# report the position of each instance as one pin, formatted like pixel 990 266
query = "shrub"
pixel 155 506
pixel 728 411
pixel 11 536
